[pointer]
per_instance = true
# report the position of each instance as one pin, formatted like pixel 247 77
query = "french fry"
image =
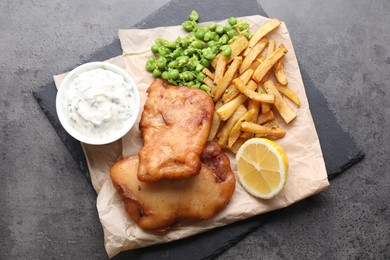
pixel 263 131
pixel 268 63
pixel 228 109
pixel 246 135
pixel 240 111
pixel 270 50
pixel 209 82
pixel 265 117
pixel 227 78
pixel 266 98
pixel 271 47
pixel 237 46
pixel 289 93
pixel 208 73
pixel 261 32
pixel 279 72
pixel 254 105
pixel 284 109
pixel 236 129
pixel 234 148
pixel 256 63
pixel 214 61
pixel 232 90
pixel 215 123
pixel 256 50
pixel 265 107
pixel 220 69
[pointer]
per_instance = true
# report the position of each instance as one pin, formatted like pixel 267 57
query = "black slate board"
pixel 339 148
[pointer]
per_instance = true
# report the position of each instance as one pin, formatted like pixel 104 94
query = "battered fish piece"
pixel 175 125
pixel 157 206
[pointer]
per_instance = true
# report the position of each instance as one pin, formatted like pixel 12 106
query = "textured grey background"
pixel 47 208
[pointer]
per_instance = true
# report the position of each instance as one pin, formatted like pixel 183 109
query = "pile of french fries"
pixel 247 88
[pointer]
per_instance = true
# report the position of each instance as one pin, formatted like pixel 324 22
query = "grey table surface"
pixel 47 208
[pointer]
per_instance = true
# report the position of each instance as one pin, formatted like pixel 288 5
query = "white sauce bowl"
pixel 77 126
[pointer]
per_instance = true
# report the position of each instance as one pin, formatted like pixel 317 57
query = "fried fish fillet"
pixel 157 206
pixel 175 125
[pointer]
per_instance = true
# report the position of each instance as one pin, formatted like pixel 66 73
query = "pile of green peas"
pixel 181 62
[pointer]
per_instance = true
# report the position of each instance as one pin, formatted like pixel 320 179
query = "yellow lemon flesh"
pixel 262 167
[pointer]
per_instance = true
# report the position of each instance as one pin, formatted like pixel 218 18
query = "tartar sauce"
pixel 98 102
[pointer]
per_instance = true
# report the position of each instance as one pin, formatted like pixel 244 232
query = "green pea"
pixel 196 44
pixel 232 33
pixel 210 36
pixel 154 48
pixel 208 53
pixel 200 34
pixel 205 88
pixel 164 75
pixel 161 62
pixel 199 67
pixel 173 74
pixel 211 43
pixel 243 26
pixel 156 73
pixel 188 26
pixel 232 21
pixel 151 64
pixel 189 52
pixel 194 16
pixel 195 85
pixel 227 28
pixel 160 41
pixel 171 45
pixel 212 27
pixel 200 76
pixel 205 62
pixel 182 61
pixel 187 75
pixel 184 42
pixel 224 39
pixel 190 83
pixel 227 51
pixel 173 64
pixel 219 29
pixel 245 34
pixel 164 51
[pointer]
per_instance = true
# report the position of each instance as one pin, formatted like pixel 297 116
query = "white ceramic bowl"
pixel 107 138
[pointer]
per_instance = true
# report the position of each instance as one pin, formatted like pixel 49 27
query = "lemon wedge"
pixel 262 167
